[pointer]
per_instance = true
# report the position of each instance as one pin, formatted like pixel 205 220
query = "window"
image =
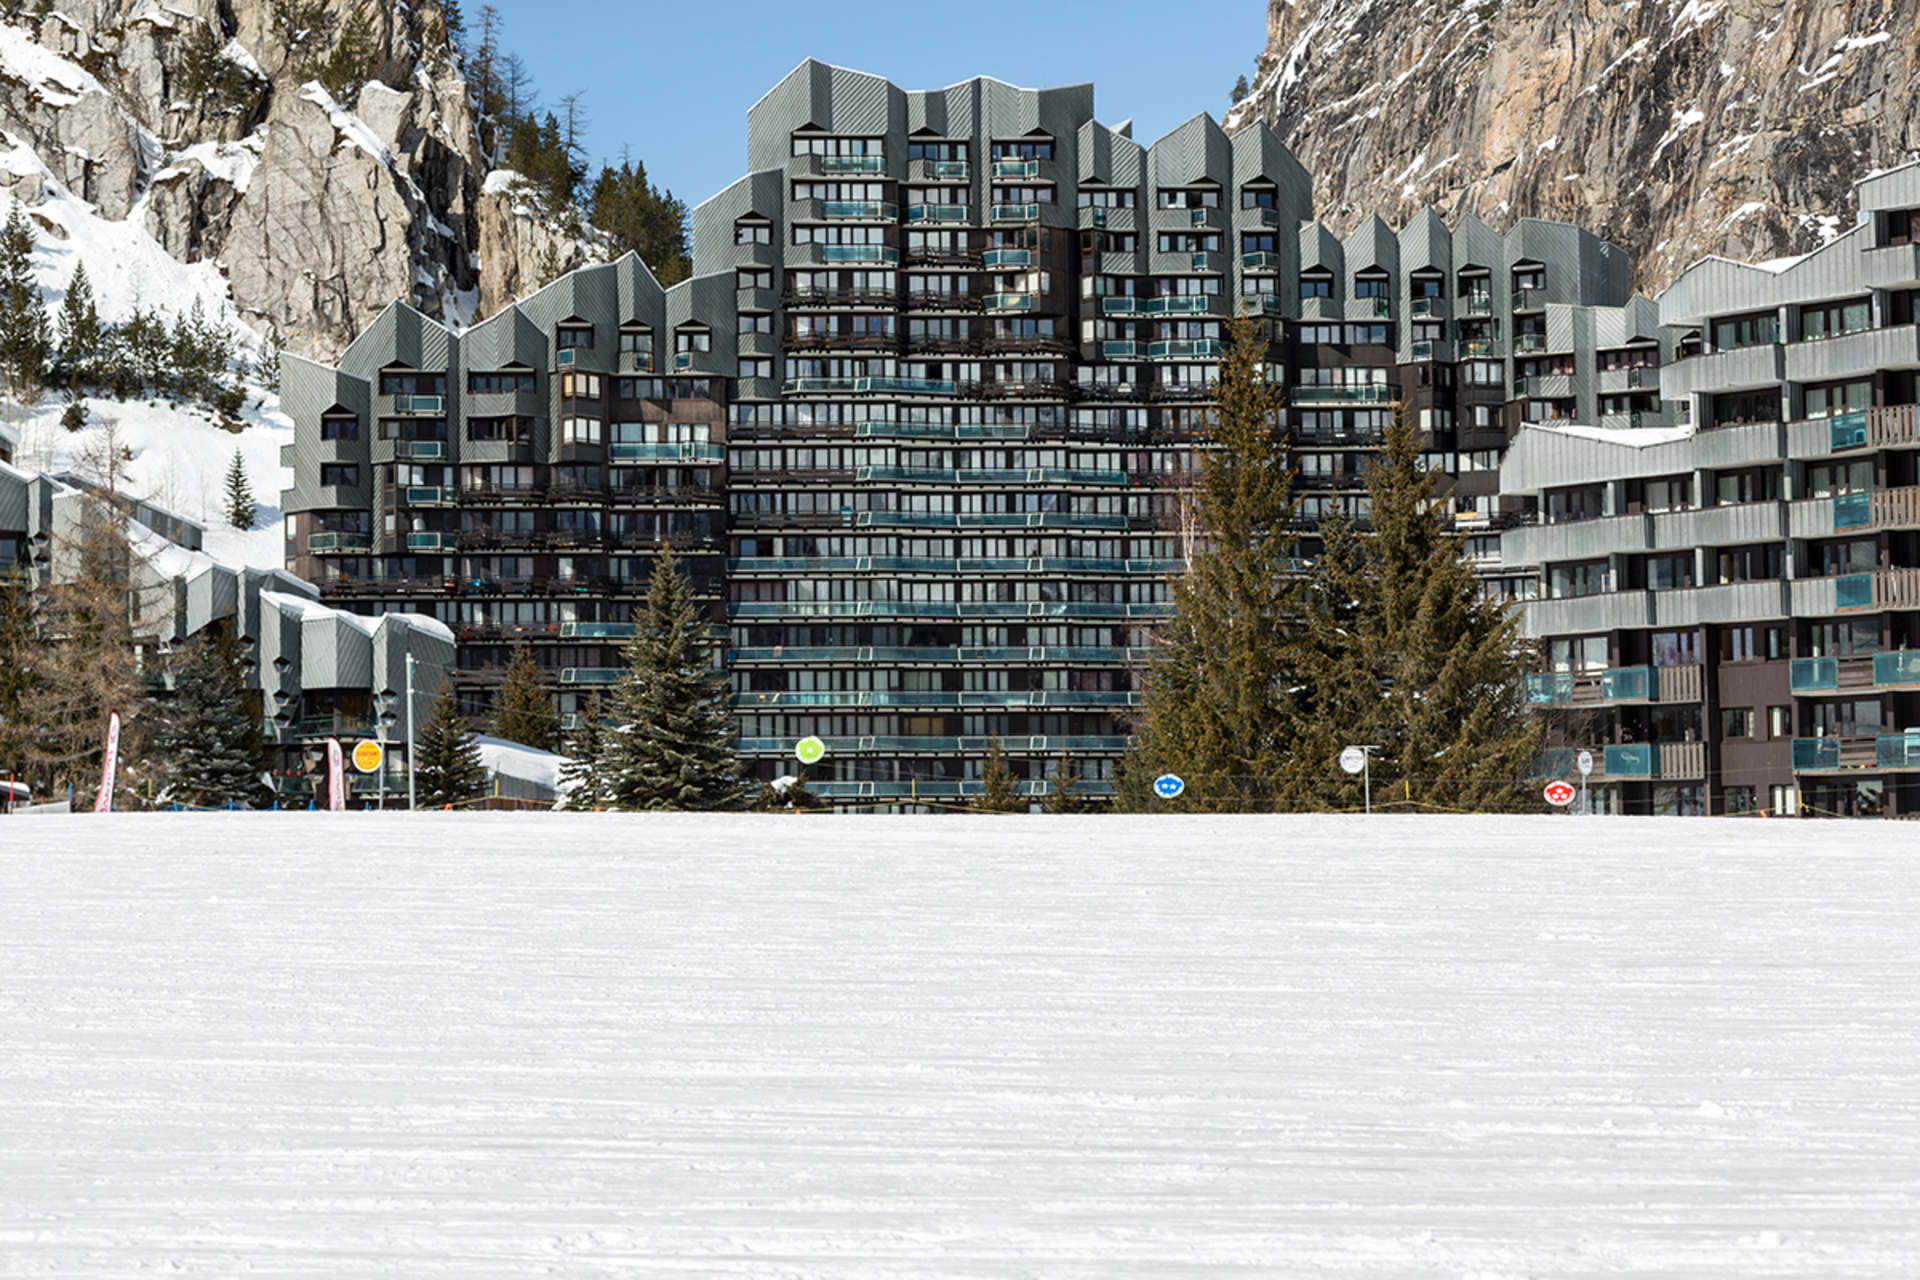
pixel 1832 319
pixel 1759 484
pixel 343 473
pixel 1257 197
pixel 1753 330
pixel 822 145
pixel 339 428
pixel 636 342
pixel 574 335
pixel 584 431
pixel 1578 653
pixel 1752 564
pixel 1843 639
pixel 941 150
pixel 511 430
pixel 1752 643
pixel 1320 286
pixel 755 322
pixel 1106 197
pixel 1671 572
pixel 580 386
pixel 1688 801
pixel 1828 399
pixel 752 232
pixel 1671 494
pixel 1567 580
pixel 1023 149
pixel 1741 799
pixel 1370 288
pixel 1783 800
pixel 409 383
pixel 1779 722
pixel 1485 373
pixel 753 278
pixel 1367 334
pixel 1676 649
pixel 1736 722
pixel 758 368
pixel 502 380
pixel 693 340
pixel 1743 407
pixel 1566 506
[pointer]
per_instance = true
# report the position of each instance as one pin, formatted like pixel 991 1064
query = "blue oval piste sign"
pixel 1169 785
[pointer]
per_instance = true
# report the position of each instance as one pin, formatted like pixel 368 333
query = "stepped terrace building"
pixel 921 421
pixel 1731 618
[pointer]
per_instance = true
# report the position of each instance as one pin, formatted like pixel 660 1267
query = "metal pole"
pixel 1366 779
pixel 412 799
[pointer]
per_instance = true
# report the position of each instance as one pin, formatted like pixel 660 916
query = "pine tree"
pixel 637 215
pixel 73 417
pixel 270 353
pixel 581 777
pixel 523 712
pixel 999 791
pixel 672 747
pixel 1443 662
pixel 447 759
pixel 16 642
pixel 1061 798
pixel 241 512
pixel 79 329
pixel 207 750
pixel 1240 90
pixel 24 339
pixel 1219 682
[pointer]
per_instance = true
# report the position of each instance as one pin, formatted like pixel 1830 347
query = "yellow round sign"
pixel 367 756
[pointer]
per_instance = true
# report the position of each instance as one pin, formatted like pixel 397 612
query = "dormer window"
pixel 636 339
pixel 1189 197
pixel 572 335
pixel 1035 146
pixel 337 424
pixel 1316 284
pixel 1371 284
pixel 1259 195
pixel 412 382
pixel 693 339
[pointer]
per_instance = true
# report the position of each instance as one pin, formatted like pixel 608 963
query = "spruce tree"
pixel 999 790
pixel 523 712
pixel 1061 797
pixel 446 757
pixel 24 339
pixel 795 795
pixel 1220 678
pixel 581 779
pixel 271 352
pixel 241 512
pixel 16 642
pixel 671 746
pixel 1443 662
pixel 207 750
pixel 73 417
pixel 639 216
pixel 79 330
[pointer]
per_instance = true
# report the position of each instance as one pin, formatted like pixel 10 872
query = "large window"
pixel 502 380
pixel 752 232
pixel 339 428
pixel 339 473
pixel 584 431
pixel 409 383
pixel 574 335
pixel 1567 580
pixel 1316 286
pixel 1753 330
pixel 1828 399
pixel 1023 149
pixel 1831 319
pixel 1670 572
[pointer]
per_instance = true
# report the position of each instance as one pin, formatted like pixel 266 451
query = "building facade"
pixel 921 422
pixel 1730 616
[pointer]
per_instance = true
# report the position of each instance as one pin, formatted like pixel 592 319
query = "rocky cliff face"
pixel 1675 128
pixel 209 123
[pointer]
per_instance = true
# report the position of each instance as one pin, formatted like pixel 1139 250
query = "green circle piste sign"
pixel 809 750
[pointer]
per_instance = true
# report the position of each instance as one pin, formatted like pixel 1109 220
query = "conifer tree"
pixel 523 712
pixel 795 795
pixel 672 743
pixel 24 339
pixel 999 790
pixel 16 642
pixel 1061 798
pixel 79 330
pixel 73 417
pixel 1219 682
pixel 1444 662
pixel 241 512
pixel 1240 90
pixel 271 352
pixel 207 749
pixel 642 217
pixel 446 757
pixel 581 776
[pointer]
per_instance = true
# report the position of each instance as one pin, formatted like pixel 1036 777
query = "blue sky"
pixel 673 81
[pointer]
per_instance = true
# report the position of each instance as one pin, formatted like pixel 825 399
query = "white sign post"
pixel 1357 760
pixel 1585 761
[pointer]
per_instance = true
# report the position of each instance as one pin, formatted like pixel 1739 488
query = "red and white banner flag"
pixel 103 802
pixel 336 776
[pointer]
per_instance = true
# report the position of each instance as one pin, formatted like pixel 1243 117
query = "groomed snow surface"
pixel 509 1045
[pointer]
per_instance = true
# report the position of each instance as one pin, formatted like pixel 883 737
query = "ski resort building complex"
pixel 920 423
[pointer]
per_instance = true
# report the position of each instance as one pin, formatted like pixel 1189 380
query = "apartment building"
pixel 921 420
pixel 1730 616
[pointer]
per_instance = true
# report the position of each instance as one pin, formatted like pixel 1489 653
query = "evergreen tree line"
pixel 1270 666
pixel 548 148
pixel 186 357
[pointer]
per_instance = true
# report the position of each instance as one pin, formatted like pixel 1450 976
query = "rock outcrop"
pixel 1676 128
pixel 209 123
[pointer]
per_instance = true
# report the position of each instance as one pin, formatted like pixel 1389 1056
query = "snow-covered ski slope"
pixel 320 1045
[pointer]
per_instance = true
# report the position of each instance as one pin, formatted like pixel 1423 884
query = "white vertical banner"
pixel 109 766
pixel 336 776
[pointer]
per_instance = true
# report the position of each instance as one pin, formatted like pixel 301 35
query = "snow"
pixel 351 128
pixel 52 78
pixel 517 760
pixel 595 1045
pixel 500 181
pixel 1632 437
pixel 231 162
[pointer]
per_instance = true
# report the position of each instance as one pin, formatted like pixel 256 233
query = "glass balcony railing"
pixel 1267 216
pixel 1529 343
pixel 1184 349
pixel 420 404
pixel 325 543
pixel 1260 261
pixel 596 630
pixel 1369 393
pixel 953 170
pixel 685 451
pixel 1530 298
pixel 1545 688
pixel 862 386
pixel 563 359
pixel 1852 510
pixel 1628 684
pixel 938 212
pixel 1202 262
pixel 1632 761
pixel 428 495
pixel 1520 385
pixel 1423 351
pixel 999 259
pixel 859 253
pixel 1016 168
pixel 1811 675
pixel 1008 302
pixel 1847 430
pixel 419 449
pixel 1421 307
pixel 682 361
pixel 1383 308
pixel 1816 753
pixel 868 209
pixel 852 164
pixel 1262 304
pixel 1476 347
pixel 591 675
pixel 1121 306
pixel 1120 349
pixel 1900 667
pixel 1015 213
pixel 1479 304
pixel 1897 751
pixel 1180 305
pixel 1853 591
pixel 433 541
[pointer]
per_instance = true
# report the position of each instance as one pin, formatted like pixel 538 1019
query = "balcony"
pixel 1266 216
pixel 939 212
pixel 425 449
pixel 1529 343
pixel 1533 298
pixel 1476 346
pixel 1121 349
pixel 1014 213
pixel 852 164
pixel 885 253
pixel 591 675
pixel 1897 751
pixel 1262 304
pixel 1008 302
pixel 596 630
pixel 1901 667
pixel 433 541
pixel 1423 307
pixel 334 544
pixel 1619 381
pixel 867 386
pixel 1260 261
pixel 1614 685
pixel 1188 349
pixel 1832 754
pixel 1016 168
pixel 860 210
pixel 429 495
pixel 950 170
pixel 1122 306
pixel 1368 393
pixel 681 451
pixel 1001 259
pixel 1180 305
pixel 431 405
pixel 1479 304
